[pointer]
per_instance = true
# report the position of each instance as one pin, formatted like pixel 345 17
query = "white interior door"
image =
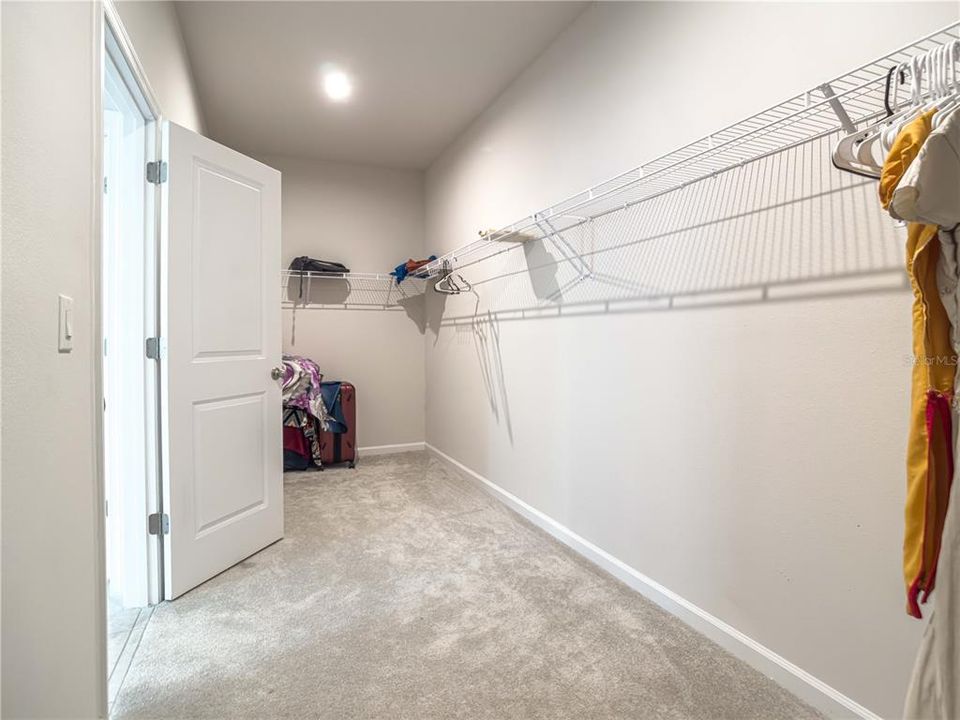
pixel 220 322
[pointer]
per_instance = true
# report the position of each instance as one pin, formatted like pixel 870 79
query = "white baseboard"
pixel 390 449
pixel 810 689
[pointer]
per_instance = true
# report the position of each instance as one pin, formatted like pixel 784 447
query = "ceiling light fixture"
pixel 337 85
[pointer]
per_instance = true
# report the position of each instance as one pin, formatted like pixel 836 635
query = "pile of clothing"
pixel 310 406
pixel 410 267
pixel 920 184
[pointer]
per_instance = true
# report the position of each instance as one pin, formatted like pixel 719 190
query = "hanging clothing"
pixel 929 191
pixel 930 439
pixel 934 693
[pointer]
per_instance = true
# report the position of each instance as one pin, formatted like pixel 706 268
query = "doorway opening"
pixel 129 311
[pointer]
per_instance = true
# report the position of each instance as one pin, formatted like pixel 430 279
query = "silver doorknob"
pixel 276 373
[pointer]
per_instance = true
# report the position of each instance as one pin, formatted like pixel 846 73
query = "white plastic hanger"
pixel 949 57
pixel 844 157
pixel 859 153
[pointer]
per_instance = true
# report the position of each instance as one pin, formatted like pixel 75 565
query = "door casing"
pixel 108 28
pixel 117 44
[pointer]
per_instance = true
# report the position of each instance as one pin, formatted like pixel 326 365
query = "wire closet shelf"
pixel 842 103
pixel 353 288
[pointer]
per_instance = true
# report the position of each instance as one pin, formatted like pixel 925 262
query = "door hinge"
pixel 157 172
pixel 158 523
pixel 153 348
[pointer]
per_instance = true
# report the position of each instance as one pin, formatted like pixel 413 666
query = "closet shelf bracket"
pixel 563 245
pixel 845 122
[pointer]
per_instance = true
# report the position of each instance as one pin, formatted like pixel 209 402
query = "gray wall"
pixel 370 219
pixel 748 457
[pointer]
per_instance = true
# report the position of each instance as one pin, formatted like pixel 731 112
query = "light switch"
pixel 66 323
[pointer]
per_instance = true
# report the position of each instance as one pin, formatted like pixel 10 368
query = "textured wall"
pixel 749 457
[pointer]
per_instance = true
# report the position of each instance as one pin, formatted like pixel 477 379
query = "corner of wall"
pixel 191 72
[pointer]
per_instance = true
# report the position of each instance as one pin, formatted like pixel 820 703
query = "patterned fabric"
pixel 304 422
pixel 301 387
pixel 303 404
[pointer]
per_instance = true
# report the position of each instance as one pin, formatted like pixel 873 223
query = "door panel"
pixel 223 482
pixel 228 264
pixel 230 481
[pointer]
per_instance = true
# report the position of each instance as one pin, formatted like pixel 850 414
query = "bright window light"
pixel 337 85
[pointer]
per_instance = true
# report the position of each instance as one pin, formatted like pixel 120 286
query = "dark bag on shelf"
pixel 304 264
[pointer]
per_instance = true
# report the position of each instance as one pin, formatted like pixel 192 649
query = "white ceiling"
pixel 422 72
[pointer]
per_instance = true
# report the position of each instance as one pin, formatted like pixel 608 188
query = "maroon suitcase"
pixel 342 447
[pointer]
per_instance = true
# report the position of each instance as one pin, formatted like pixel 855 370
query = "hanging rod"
pixel 286 274
pixel 838 104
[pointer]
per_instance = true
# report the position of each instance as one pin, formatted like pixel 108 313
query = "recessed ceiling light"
pixel 337 85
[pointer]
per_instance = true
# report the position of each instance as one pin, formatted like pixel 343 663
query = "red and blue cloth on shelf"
pixel 410 267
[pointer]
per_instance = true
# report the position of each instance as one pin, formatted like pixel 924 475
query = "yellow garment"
pixel 930 442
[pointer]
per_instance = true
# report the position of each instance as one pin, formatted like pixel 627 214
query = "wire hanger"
pixel 447 284
pixel 450 286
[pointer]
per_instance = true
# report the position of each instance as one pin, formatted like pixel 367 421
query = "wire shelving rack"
pixel 354 288
pixel 843 103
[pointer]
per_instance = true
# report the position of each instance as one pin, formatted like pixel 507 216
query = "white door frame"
pixel 107 23
pixel 116 43
pixel 111 39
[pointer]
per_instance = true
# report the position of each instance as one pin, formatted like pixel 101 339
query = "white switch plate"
pixel 66 323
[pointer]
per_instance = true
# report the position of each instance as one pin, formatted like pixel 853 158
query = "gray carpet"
pixel 402 591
